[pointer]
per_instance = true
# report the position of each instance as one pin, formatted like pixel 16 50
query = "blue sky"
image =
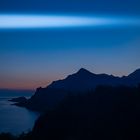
pixel 34 57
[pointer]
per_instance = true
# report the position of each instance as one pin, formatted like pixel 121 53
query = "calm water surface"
pixel 15 119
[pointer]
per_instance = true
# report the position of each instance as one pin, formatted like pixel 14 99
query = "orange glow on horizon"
pixel 24 85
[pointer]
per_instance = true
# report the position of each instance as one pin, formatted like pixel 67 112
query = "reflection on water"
pixel 15 119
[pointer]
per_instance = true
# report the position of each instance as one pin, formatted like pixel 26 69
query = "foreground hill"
pixel 111 113
pixel 80 82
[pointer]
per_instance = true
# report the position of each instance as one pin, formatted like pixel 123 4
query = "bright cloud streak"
pixel 48 21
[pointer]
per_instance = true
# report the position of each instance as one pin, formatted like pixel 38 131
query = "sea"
pixel 14 119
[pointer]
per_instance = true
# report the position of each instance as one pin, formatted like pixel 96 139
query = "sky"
pixel 46 40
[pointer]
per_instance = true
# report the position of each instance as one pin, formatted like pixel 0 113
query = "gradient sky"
pixel 33 57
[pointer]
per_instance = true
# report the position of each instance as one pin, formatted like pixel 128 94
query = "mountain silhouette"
pixel 135 74
pixel 108 112
pixel 111 113
pixel 134 77
pixel 81 81
pixel 84 80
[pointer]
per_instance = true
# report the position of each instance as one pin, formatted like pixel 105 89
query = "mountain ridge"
pixel 84 77
pixel 79 82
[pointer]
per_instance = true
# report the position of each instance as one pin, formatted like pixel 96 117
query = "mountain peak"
pixel 83 70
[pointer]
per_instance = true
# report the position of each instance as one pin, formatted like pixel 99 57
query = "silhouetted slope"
pixel 80 82
pixel 84 80
pixel 133 78
pixel 111 113
pixel 44 99
pixel 135 74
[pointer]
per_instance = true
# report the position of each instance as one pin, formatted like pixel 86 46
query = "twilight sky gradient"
pixel 45 40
